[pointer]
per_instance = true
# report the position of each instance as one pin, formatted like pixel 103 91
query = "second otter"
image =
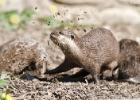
pixel 129 64
pixel 93 52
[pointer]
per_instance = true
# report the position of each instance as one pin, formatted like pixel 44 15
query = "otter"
pixel 23 53
pixel 129 63
pixel 93 52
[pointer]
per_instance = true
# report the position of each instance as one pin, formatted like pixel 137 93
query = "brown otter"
pixel 19 53
pixel 96 50
pixel 129 64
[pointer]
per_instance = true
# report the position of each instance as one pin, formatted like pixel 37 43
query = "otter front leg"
pixel 94 70
pixel 96 73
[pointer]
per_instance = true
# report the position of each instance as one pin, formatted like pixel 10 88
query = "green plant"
pixel 3 82
pixel 53 22
pixel 4 95
pixel 14 19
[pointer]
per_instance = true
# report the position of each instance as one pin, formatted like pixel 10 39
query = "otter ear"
pixel 72 36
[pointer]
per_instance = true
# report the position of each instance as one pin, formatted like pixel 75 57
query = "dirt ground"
pixel 62 87
pixel 82 90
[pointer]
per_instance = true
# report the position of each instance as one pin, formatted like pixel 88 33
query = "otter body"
pixel 94 52
pixel 129 64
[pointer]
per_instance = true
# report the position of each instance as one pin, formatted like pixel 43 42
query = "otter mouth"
pixel 54 37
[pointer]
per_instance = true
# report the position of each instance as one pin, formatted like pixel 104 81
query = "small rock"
pixel 23 53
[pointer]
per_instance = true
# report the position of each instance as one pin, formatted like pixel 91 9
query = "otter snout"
pixel 54 35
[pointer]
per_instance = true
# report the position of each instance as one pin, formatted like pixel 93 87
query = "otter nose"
pixel 60 33
pixel 55 33
pixel 52 33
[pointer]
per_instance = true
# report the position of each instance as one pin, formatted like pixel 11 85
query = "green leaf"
pixel 51 21
pixel 25 16
pixel 3 83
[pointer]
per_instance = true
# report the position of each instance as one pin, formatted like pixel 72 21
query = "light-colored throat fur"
pixel 72 49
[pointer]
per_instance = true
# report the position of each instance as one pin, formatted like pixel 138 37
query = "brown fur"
pixel 95 51
pixel 129 64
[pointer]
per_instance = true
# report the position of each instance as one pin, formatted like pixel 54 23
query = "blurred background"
pixel 39 17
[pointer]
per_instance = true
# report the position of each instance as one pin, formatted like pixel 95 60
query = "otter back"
pixel 99 45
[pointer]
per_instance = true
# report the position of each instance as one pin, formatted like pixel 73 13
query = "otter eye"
pixel 60 33
pixel 72 36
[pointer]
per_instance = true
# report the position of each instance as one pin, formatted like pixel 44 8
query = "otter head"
pixel 128 44
pixel 65 40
